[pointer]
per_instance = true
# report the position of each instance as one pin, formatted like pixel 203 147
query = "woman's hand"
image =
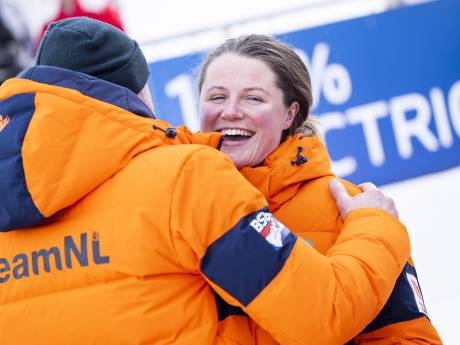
pixel 371 197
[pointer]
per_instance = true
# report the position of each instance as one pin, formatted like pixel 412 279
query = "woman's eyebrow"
pixel 246 89
pixel 255 88
pixel 215 87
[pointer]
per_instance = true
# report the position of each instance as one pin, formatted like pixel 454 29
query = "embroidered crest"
pixel 270 228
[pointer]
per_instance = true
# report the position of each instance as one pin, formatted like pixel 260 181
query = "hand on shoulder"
pixel 370 197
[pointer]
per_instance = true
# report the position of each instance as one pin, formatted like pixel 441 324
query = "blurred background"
pixel 386 84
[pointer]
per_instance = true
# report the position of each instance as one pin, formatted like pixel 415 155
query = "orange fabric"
pixel 300 198
pixel 131 216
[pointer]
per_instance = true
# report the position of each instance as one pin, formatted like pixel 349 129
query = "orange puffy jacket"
pixel 298 195
pixel 112 233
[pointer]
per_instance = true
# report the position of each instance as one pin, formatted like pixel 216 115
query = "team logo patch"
pixel 413 282
pixel 270 228
pixel 4 120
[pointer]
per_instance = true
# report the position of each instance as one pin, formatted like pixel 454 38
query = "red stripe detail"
pixel 266 231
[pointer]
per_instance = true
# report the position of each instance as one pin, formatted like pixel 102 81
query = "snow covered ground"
pixel 428 204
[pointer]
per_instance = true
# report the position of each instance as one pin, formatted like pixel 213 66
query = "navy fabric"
pixel 17 209
pixel 89 86
pixel 401 306
pixel 242 262
pixel 225 310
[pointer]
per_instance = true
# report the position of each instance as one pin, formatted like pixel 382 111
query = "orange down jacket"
pixel 298 196
pixel 112 233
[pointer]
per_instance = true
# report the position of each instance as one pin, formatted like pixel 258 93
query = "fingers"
pixel 338 191
pixel 391 207
pixel 371 197
pixel 366 186
pixel 341 196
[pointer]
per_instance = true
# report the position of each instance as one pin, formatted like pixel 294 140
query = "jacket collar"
pixel 284 171
pixel 89 86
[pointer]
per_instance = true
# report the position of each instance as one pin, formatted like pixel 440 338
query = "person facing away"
pixel 113 231
pixel 256 91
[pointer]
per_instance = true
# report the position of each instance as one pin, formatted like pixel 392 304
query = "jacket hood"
pixel 296 161
pixel 62 134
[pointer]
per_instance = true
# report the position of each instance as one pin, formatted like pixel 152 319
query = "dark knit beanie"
pixel 96 48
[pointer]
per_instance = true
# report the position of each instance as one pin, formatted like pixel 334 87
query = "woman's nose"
pixel 232 111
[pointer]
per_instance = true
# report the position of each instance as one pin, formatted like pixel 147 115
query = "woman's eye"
pixel 217 98
pixel 254 98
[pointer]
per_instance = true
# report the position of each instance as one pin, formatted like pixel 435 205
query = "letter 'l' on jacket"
pixel 298 195
pixel 113 233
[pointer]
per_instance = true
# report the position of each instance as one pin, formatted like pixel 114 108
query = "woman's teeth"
pixel 237 132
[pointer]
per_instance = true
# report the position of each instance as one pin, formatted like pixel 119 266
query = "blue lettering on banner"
pixel 46 260
pixel 386 89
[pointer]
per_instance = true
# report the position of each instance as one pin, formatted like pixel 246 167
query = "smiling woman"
pixel 256 99
pixel 240 99
pixel 256 91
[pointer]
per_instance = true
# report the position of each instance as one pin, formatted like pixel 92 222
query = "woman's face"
pixel 240 99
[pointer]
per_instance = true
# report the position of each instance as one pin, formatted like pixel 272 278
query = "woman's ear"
pixel 291 112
